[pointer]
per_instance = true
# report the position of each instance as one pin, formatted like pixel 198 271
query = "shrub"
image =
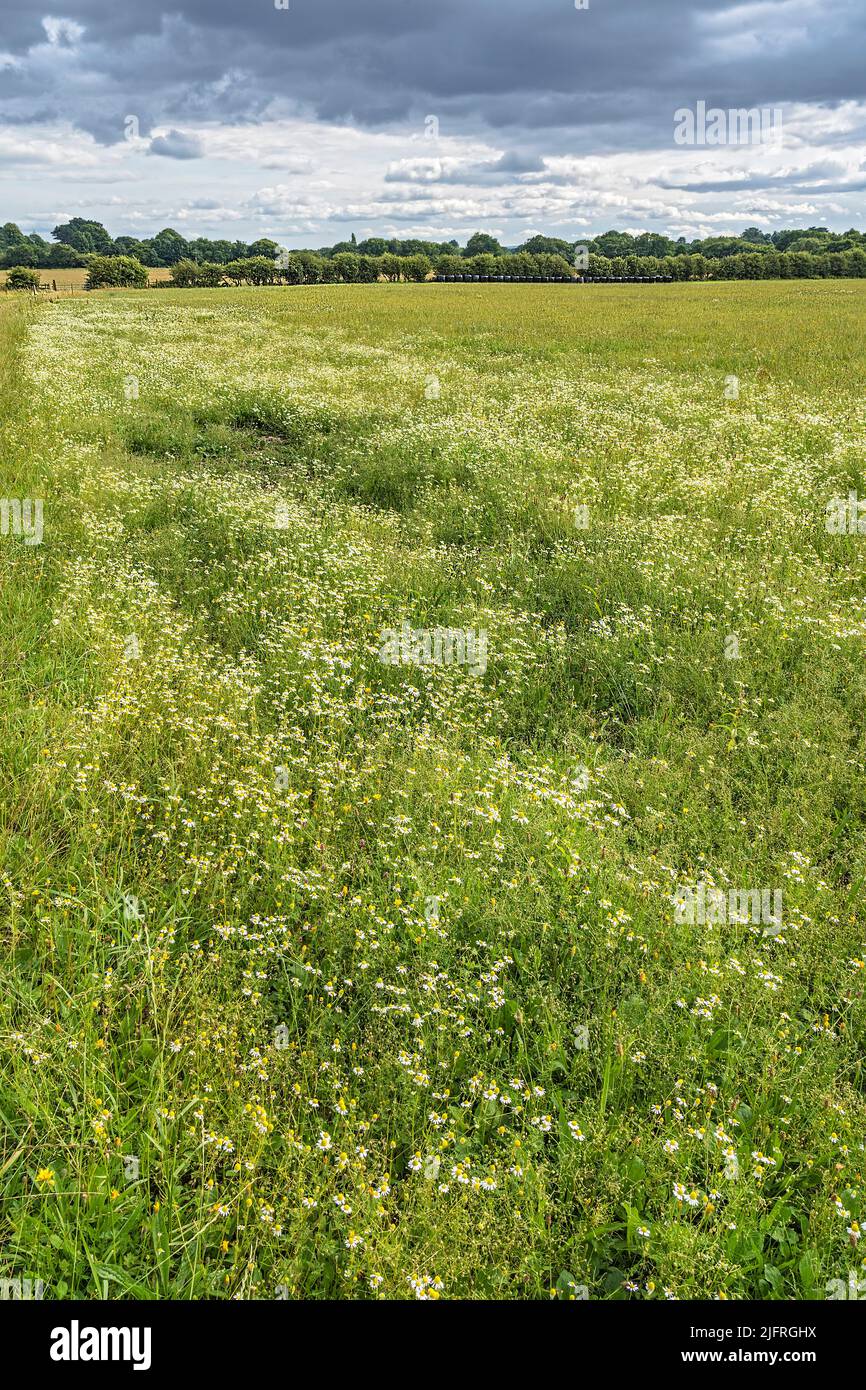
pixel 21 277
pixel 390 266
pixel 110 272
pixel 311 266
pixel 253 270
pixel 261 270
pixel 347 266
pixel 418 267
pixel 483 264
pixel 185 274
pixel 210 275
pixel 291 271
pixel 188 274
pixel 552 264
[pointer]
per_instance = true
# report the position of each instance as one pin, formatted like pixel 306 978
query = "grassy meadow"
pixel 332 972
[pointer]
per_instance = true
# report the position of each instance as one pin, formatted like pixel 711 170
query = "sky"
pixel 307 120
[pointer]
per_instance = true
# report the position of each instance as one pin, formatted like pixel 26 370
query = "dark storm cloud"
pixel 606 77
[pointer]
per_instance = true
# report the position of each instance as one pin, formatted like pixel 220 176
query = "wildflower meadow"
pixel 434 776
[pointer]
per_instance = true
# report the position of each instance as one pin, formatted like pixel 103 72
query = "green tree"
pixel 751 265
pixel 265 247
pixel 170 247
pixel 109 272
pixel 612 244
pixel 147 255
pixel 717 247
pixel 221 251
pixel 599 266
pixel 21 277
pixel 185 273
pixel 755 234
pixel 653 244
pixel 24 254
pixel 548 246
pixel 85 236
pixel 312 266
pixel 210 274
pixel 347 265
pixel 801 264
pixel 557 266
pixel 62 257
pixel 291 272
pixel 485 264
pixel 253 270
pixel 390 266
pixel 11 235
pixel 417 268
pixel 481 244
pixel 814 244
pixel 131 246
pixel 855 260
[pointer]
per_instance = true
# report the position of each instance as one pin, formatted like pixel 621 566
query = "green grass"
pixel 261 888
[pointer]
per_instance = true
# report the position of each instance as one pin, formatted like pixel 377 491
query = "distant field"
pixel 395 663
pixel 74 279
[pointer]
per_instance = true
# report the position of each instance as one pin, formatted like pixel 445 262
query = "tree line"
pixel 79 238
pixel 748 265
pixel 813 253
pixel 350 267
